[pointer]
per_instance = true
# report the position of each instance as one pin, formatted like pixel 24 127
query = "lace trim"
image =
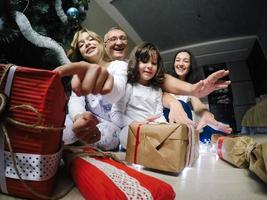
pixel 32 167
pixel 127 184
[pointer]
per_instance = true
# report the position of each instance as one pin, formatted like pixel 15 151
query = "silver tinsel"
pixel 39 40
pixel 60 12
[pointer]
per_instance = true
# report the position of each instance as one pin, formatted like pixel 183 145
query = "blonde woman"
pixel 90 113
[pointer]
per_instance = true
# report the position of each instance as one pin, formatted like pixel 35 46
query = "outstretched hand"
pixel 208 119
pixel 210 84
pixel 87 78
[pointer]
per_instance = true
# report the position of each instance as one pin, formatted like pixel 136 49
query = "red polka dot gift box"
pixel 32 111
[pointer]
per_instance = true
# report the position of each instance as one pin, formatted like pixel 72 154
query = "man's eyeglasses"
pixel 113 39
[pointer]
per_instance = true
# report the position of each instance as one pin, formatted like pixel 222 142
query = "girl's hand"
pixel 208 119
pixel 88 78
pixel 178 115
pixel 85 128
pixel 151 118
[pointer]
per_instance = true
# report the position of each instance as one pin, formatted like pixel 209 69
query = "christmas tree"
pixel 36 33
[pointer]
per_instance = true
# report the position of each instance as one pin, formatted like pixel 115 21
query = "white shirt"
pixel 138 103
pixel 183 98
pixel 100 105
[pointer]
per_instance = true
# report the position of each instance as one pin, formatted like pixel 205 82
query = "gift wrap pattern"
pixel 244 152
pixel 166 147
pixel 105 179
pixel 36 99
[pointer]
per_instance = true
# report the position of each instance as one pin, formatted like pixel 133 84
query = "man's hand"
pixel 88 78
pixel 210 84
pixel 85 128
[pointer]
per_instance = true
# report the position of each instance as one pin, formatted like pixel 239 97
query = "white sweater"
pixel 100 105
pixel 138 103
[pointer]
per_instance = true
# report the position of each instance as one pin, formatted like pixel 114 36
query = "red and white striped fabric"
pixel 106 179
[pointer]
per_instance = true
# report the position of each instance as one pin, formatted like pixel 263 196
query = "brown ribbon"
pixel 6 119
pixel 80 151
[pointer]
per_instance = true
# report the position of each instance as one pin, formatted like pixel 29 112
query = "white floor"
pixel 209 179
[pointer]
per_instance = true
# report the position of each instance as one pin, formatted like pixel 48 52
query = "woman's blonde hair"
pixel 74 53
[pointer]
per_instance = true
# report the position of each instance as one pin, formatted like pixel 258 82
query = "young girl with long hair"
pixel 142 101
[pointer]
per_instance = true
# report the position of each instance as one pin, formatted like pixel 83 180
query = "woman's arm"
pixel 176 86
pixel 198 107
pixel 200 89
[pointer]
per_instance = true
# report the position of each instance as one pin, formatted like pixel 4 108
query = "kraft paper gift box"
pixel 244 152
pixel 235 150
pixel 258 161
pixel 99 175
pixel 166 147
pixel 33 119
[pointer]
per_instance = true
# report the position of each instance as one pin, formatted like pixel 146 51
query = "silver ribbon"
pixel 2 137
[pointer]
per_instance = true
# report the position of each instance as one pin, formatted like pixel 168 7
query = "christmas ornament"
pixel 73 13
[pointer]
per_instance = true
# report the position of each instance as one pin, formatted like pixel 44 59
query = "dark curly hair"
pixel 143 52
pixel 193 75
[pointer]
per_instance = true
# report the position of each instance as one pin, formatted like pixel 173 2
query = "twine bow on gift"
pixel 245 145
pixel 250 147
pixel 236 150
pixel 5 118
pixel 258 161
pixel 83 151
pixel 3 101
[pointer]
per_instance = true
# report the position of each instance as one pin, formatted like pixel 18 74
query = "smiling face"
pixel 147 70
pixel 89 47
pixel 116 44
pixel 182 64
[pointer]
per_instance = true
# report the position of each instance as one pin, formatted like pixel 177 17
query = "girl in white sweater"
pixel 142 101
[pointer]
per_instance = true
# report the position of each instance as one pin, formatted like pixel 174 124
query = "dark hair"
pixel 193 76
pixel 143 52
